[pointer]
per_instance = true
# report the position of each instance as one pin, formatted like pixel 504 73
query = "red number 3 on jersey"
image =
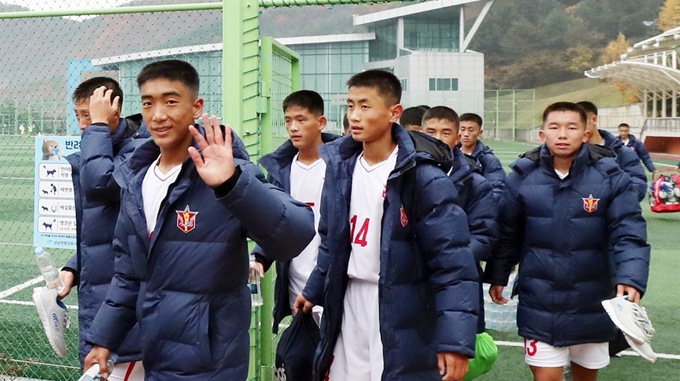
pixel 360 238
pixel 530 346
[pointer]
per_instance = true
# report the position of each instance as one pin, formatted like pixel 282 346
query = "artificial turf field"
pixel 22 338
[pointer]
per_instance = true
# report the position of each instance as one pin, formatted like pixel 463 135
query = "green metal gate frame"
pixel 280 76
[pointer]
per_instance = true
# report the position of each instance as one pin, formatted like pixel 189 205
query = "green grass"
pixel 604 94
pixel 22 338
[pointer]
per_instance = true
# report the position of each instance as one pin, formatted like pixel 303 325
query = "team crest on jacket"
pixel 186 220
pixel 404 217
pixel 590 204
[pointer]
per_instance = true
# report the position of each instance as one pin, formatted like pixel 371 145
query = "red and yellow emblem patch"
pixel 186 220
pixel 404 217
pixel 590 204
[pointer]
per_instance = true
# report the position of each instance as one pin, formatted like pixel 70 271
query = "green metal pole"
pixel 514 115
pixel 533 108
pixel 498 106
pixel 240 71
pixel 266 145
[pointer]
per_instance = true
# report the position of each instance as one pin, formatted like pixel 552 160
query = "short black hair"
pixel 566 106
pixel 311 100
pixel 588 106
pixel 472 117
pixel 442 112
pixel 425 107
pixel 345 122
pixel 171 70
pixel 412 116
pixel 385 83
pixel 624 125
pixel 87 88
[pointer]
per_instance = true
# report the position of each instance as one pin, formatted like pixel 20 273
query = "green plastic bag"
pixel 486 352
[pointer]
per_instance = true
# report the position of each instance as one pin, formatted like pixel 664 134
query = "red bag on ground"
pixel 664 192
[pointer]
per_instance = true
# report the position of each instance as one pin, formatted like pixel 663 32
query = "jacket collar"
pixel 146 153
pixel 283 156
pixel 461 166
pixel 413 146
pixel 587 154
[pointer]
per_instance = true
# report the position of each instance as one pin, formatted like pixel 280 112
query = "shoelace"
pixel 641 319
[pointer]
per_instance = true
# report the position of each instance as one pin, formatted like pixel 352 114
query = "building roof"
pixel 329 38
pixel 639 74
pixel 649 65
pixel 218 47
pixel 436 5
pixel 156 54
pixel 664 41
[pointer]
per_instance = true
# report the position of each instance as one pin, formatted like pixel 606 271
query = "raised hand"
pixel 102 110
pixel 215 162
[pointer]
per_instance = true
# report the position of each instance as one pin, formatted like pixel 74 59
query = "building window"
pixel 404 84
pixel 431 35
pixel 384 47
pixel 443 84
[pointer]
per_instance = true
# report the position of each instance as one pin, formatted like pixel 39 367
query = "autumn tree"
pixel 615 49
pixel 669 16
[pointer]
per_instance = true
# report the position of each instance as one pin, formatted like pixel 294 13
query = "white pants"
pixel 128 371
pixel 358 354
pixel 589 356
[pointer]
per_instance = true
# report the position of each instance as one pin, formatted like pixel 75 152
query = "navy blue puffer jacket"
pixel 97 204
pixel 639 148
pixel 491 168
pixel 574 240
pixel 628 161
pixel 428 286
pixel 476 198
pixel 278 165
pixel 186 285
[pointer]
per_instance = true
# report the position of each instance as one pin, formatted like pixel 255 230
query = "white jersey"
pixel 154 189
pixel 306 184
pixel 365 216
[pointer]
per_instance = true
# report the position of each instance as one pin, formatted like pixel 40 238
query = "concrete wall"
pixel 610 118
pixel 418 67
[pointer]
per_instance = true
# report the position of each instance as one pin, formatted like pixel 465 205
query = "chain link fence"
pixel 47 54
pixel 43 60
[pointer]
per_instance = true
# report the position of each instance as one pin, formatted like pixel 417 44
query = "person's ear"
pixel 396 112
pixel 541 134
pixel 322 122
pixel 198 108
pixel 586 135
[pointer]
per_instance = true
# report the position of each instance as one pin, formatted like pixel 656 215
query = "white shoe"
pixel 630 318
pixel 54 317
pixel 644 350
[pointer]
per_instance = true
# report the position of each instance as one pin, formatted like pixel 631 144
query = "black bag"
pixel 295 352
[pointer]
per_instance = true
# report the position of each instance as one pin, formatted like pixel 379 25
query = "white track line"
pixel 15 244
pixel 20 287
pixel 625 353
pixel 24 303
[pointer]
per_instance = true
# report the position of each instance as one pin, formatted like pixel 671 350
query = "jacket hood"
pixel 434 150
pixel 413 146
pixel 460 167
pixel 610 141
pixel 481 148
pixel 283 155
